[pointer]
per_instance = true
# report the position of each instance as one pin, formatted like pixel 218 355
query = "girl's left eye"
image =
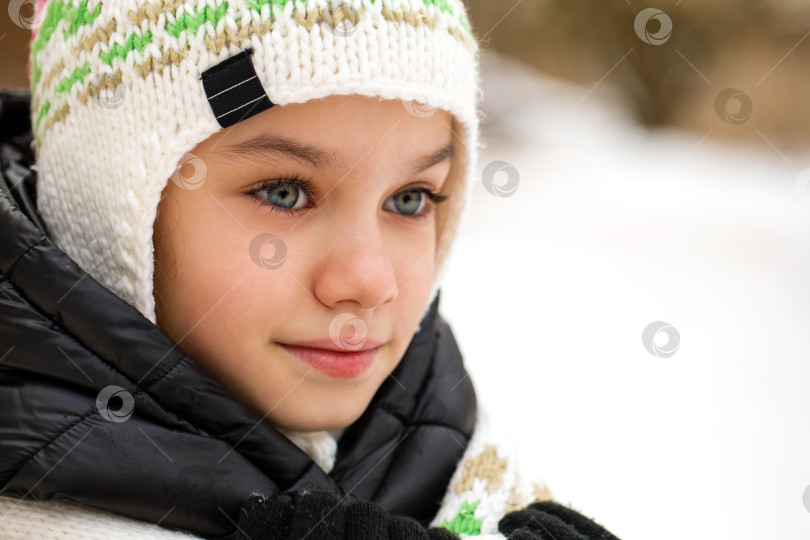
pixel 410 203
pixel 291 195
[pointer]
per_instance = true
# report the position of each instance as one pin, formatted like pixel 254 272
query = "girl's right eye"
pixel 283 195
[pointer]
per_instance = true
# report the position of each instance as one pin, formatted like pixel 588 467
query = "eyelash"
pixel 305 185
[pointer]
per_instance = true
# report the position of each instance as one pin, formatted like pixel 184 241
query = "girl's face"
pixel 305 223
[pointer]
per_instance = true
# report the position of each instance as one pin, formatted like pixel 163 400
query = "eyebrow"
pixel 285 147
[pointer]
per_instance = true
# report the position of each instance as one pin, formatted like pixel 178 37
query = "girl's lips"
pixel 335 363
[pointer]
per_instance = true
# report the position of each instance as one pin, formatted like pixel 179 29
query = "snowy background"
pixel 612 228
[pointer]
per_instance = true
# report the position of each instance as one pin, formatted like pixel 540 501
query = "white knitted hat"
pixel 119 98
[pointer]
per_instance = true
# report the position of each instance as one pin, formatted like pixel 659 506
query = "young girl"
pixel 220 279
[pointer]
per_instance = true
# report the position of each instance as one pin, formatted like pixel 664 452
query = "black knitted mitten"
pixel 548 520
pixel 317 514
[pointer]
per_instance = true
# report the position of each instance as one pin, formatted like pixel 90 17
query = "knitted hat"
pixel 122 90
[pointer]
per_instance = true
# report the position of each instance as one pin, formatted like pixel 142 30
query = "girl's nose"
pixel 355 267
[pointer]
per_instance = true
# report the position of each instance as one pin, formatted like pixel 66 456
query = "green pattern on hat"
pixel 119 44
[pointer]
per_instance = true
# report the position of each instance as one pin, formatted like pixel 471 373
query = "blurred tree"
pixel 757 46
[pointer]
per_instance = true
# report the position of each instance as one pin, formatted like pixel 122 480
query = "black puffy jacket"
pixel 66 342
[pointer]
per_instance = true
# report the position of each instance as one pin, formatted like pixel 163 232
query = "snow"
pixel 614 227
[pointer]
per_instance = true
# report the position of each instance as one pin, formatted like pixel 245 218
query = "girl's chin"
pixel 307 425
pixel 313 408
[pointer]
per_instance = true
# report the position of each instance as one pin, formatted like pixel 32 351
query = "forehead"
pixel 332 132
pixel 346 126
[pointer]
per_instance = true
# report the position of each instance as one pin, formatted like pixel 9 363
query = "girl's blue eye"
pixel 286 196
pixel 407 202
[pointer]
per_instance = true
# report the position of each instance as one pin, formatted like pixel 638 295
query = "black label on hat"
pixel 233 89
